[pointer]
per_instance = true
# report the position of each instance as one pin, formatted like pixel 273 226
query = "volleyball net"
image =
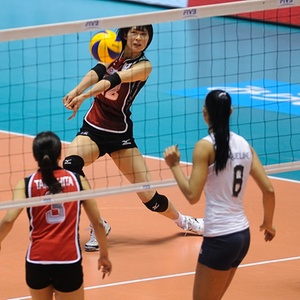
pixel 194 50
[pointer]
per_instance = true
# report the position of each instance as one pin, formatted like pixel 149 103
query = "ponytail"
pixel 47 168
pixel 218 105
pixel 46 151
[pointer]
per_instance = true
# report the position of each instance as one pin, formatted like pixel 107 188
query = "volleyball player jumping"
pixel 107 126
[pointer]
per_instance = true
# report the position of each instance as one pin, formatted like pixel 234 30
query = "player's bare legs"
pixel 84 147
pixel 45 294
pixel 76 295
pixel 132 164
pixel 210 284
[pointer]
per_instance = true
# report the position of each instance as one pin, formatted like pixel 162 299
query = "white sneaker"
pixel 92 244
pixel 195 225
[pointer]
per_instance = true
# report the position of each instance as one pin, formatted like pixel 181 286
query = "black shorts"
pixel 225 252
pixel 108 142
pixel 63 277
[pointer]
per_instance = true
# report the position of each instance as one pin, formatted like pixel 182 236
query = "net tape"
pixel 197 12
pixel 109 191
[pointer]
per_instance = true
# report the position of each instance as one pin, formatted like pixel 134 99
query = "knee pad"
pixel 74 163
pixel 159 203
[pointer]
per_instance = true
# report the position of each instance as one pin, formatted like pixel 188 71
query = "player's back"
pixel 224 191
pixel 54 225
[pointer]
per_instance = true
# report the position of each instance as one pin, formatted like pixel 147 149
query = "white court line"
pixel 172 276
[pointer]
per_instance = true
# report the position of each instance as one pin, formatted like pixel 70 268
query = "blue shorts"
pixel 63 277
pixel 108 142
pixel 226 251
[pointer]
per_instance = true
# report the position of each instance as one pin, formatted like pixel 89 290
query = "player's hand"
pixel 70 96
pixel 268 232
pixel 172 156
pixel 73 104
pixel 105 266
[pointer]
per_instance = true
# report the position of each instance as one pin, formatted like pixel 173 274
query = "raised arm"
pixel 191 187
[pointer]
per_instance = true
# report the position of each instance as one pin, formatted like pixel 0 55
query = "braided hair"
pixel 218 106
pixel 46 151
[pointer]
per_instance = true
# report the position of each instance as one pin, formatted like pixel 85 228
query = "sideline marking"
pixel 172 276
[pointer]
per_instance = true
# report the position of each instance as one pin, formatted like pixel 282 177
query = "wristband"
pixel 100 71
pixel 114 80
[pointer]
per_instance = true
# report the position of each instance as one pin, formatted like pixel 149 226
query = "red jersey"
pixel 54 236
pixel 110 111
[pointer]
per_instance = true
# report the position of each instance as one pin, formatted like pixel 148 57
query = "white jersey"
pixel 224 212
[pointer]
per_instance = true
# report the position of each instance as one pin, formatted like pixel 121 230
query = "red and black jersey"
pixel 110 111
pixel 54 236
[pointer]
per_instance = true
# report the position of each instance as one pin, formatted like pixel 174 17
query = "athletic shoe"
pixel 92 244
pixel 195 225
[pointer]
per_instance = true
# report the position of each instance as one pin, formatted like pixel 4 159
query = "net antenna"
pixel 199 48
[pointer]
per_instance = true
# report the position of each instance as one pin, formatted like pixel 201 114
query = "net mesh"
pixel 193 51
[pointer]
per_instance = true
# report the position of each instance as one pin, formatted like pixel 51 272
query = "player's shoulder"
pixel 21 183
pixel 208 139
pixel 236 137
pixel 143 58
pixel 205 146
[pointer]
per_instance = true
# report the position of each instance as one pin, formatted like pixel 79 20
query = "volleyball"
pixel 105 46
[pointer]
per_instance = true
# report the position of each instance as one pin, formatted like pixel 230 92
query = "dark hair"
pixel 122 33
pixel 218 106
pixel 46 150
